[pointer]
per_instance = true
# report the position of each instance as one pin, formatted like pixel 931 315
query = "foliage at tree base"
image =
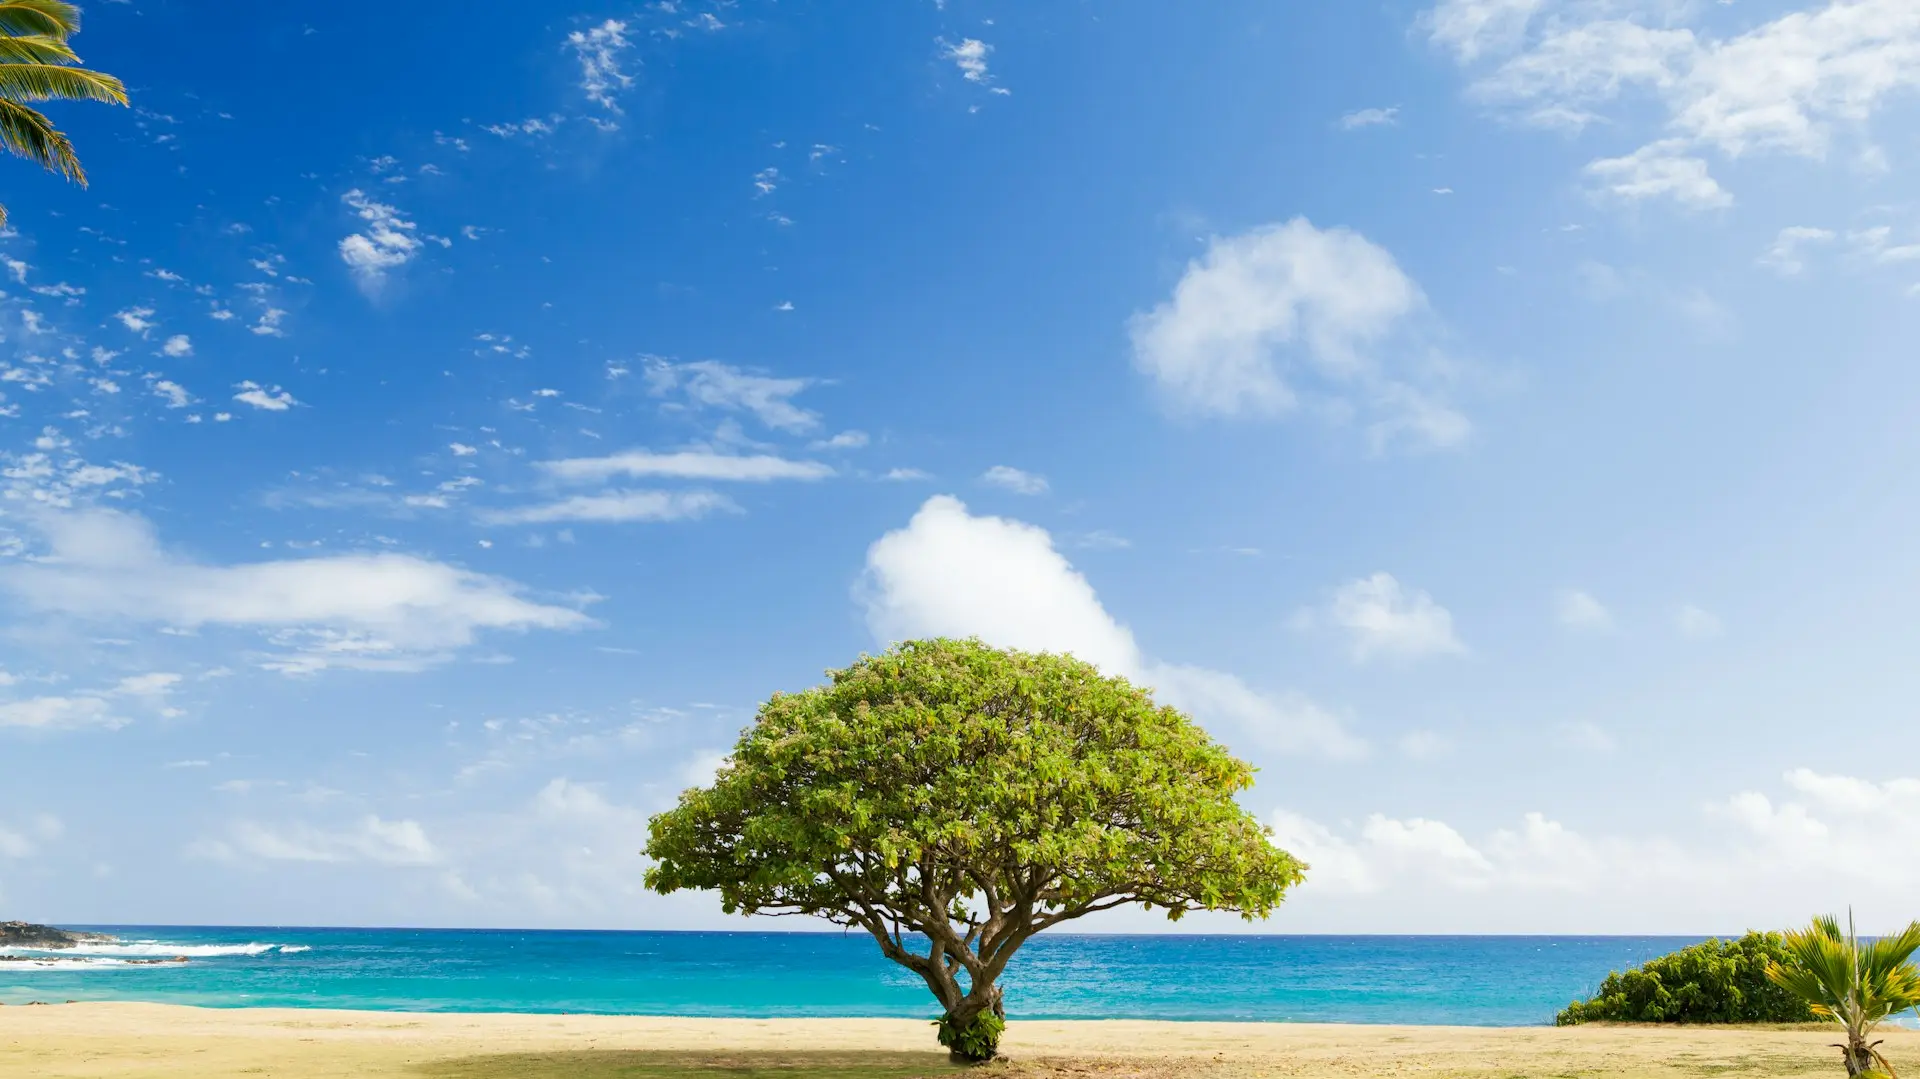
pixel 979 1041
pixel 1715 981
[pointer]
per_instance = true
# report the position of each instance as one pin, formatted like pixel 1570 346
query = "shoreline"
pixel 117 1040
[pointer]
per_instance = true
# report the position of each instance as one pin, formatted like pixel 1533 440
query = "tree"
pixel 1856 985
pixel 1714 981
pixel 954 800
pixel 36 64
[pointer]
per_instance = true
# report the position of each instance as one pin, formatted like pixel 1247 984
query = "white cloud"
pixel 1473 27
pixel 950 573
pixel 137 319
pixel 386 243
pixel 1785 255
pixel 59 713
pixel 371 839
pixel 1555 83
pixel 1386 117
pixel 906 475
pixel 1579 610
pixel 171 392
pixel 178 345
pixel 599 48
pixel 373 611
pixel 1788 85
pixel 845 440
pixel 686 465
pixel 1660 170
pixel 274 400
pixel 970 56
pixel 1012 479
pixel 717 385
pixel 1383 618
pixel 268 324
pixel 1755 858
pixel 1259 307
pixel 100 708
pixel 618 506
pixel 1697 623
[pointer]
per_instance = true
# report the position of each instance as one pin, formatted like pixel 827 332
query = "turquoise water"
pixel 1482 981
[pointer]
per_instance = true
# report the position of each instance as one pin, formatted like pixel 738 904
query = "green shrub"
pixel 1715 981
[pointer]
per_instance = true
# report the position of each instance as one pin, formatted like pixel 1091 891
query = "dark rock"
pixel 27 935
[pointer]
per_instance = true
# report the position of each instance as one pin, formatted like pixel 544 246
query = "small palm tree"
pixel 36 64
pixel 1854 984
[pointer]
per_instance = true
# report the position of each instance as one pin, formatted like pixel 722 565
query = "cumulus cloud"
pixel 711 384
pixel 174 394
pixel 1576 609
pixel 1754 858
pixel 137 319
pixel 386 242
pixel 1788 85
pixel 1262 309
pixel 951 573
pixel 380 611
pixel 1383 618
pixel 686 465
pixel 1012 479
pixel 269 400
pixel 617 506
pixel 178 345
pixel 1660 169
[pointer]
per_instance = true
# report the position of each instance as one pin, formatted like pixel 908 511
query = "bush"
pixel 1715 981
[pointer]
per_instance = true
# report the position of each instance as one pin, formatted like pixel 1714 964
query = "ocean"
pixel 1470 981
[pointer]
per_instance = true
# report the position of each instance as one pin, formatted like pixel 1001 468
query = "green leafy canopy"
pixel 1715 981
pixel 959 798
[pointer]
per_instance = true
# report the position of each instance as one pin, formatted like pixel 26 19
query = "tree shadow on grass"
pixel 646 1064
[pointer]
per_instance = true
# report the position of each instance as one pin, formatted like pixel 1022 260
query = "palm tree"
pixel 36 64
pixel 1854 984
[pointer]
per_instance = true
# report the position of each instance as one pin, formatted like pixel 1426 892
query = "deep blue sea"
pixel 1483 981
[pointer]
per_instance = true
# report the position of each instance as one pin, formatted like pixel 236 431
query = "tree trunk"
pixel 1860 1059
pixel 971 1028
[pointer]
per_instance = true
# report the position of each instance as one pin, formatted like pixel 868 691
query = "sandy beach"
pixel 122 1041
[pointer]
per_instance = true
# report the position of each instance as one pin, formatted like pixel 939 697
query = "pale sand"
pixel 122 1041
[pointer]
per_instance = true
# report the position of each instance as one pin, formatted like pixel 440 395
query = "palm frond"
pixel 29 134
pixel 43 82
pixel 53 18
pixel 35 49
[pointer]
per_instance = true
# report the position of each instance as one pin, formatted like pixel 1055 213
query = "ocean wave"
pixel 145 949
pixel 52 963
pixel 290 949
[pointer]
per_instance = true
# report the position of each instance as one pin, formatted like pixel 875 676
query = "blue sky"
pixel 423 448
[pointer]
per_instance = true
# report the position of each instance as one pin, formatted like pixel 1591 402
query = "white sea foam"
pixel 144 949
pixel 290 949
pixel 51 963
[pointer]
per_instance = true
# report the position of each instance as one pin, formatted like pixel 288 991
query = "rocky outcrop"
pixel 27 935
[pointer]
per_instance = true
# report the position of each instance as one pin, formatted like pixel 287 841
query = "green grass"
pixel 640 1064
